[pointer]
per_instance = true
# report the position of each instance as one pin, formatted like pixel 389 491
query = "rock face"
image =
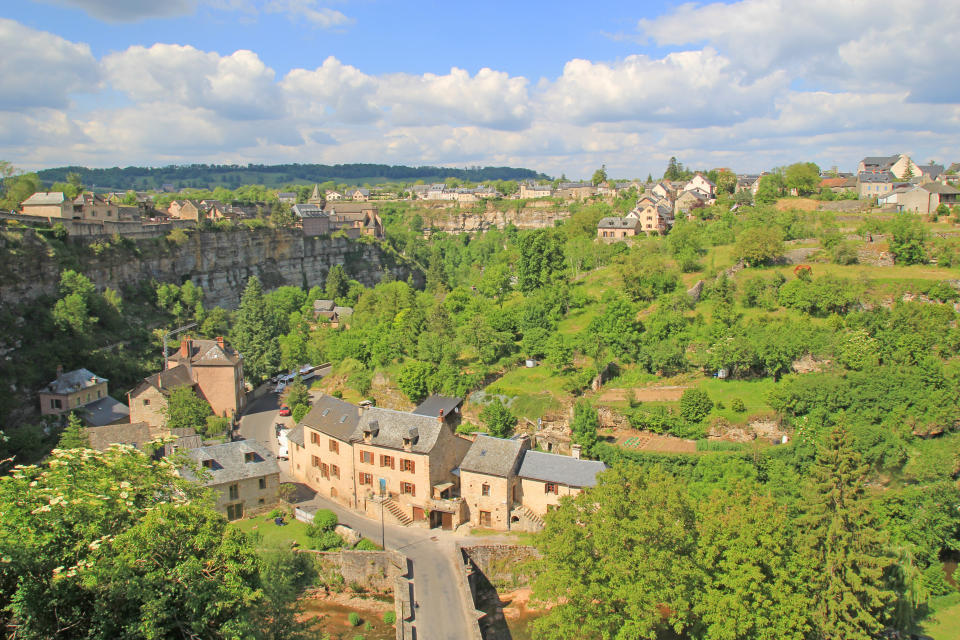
pixel 469 221
pixel 220 262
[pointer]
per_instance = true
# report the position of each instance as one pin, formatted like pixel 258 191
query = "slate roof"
pixel 394 426
pixel 617 223
pixel 167 380
pixel 493 456
pixel 207 352
pixel 932 170
pixel 363 192
pixel 135 434
pixel 436 406
pixel 550 467
pixel 333 417
pixel 323 305
pixel 105 411
pixel 287 194
pixel 73 381
pixel 876 176
pixel 46 197
pixel 307 211
pixel 296 435
pixel 884 162
pixel 229 462
pixel 186 439
pixel 944 189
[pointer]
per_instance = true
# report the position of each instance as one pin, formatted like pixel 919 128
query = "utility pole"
pixel 170 333
pixel 383 533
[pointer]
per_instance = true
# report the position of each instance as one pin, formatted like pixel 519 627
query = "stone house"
pixel 653 215
pixel 82 391
pixel 748 182
pixel 444 407
pixel 576 190
pixel 900 165
pixel 134 434
pixel 243 475
pixel 532 190
pixel 326 312
pixel 148 400
pixel 313 220
pixel 184 210
pixel 663 191
pixel 925 198
pixel 92 206
pixel 873 184
pixel 332 196
pixel 360 195
pixel 613 229
pixel 289 197
pixel 688 201
pixel 48 204
pixel 355 219
pixel 547 477
pixel 488 480
pixel 351 453
pixel 838 184
pixel 701 183
pixel 217 370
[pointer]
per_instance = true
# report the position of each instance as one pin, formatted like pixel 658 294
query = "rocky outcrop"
pixel 470 221
pixel 220 262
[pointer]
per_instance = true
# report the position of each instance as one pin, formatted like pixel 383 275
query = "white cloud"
pixel 238 86
pixel 309 11
pixel 332 92
pixel 39 69
pixel 129 10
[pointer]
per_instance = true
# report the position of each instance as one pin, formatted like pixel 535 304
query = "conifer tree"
pixel 255 333
pixel 841 548
pixel 73 436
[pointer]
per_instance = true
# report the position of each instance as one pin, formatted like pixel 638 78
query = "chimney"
pixel 575 451
pixel 440 417
pixel 59 370
pixel 220 342
pixel 185 348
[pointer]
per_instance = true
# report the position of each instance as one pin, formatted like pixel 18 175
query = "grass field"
pixel 752 392
pixel 537 390
pixel 944 622
pixel 271 536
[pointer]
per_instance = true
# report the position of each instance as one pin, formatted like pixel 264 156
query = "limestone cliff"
pixel 220 262
pixel 450 218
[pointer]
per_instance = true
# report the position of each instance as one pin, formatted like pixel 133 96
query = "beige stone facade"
pixel 539 496
pixel 149 406
pixel 71 391
pixel 217 370
pixel 48 204
pixel 490 499
pixel 244 476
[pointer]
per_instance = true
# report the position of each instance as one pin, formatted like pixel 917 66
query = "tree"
pixel 842 555
pixel 286 575
pixel 618 559
pixel 584 426
pixel 186 410
pixel 298 394
pixel 255 333
pixel 559 352
pixel 412 380
pixel 770 188
pixel 599 176
pixel 72 311
pixel 541 259
pixel 500 422
pixel 908 240
pixel 726 181
pixel 695 405
pixel 802 176
pixel 337 283
pixel 496 282
pixel 75 181
pixel 759 245
pixel 617 328
pixel 73 436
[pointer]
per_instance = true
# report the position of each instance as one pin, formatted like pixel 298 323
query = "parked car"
pixel 284 411
pixel 283 451
pixel 280 387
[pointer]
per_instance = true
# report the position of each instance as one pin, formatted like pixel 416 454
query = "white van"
pixel 283 451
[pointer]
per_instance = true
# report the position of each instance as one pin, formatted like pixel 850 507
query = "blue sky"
pixel 558 87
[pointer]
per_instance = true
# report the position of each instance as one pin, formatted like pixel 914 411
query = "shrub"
pixel 287 491
pixel 389 617
pixel 366 545
pixel 299 411
pixel 354 619
pixel 367 626
pixel 737 405
pixel 695 404
pixel 277 513
pixel 325 520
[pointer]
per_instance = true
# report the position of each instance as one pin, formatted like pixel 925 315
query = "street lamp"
pixel 383 531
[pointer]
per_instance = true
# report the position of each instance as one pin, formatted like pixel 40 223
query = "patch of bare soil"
pixel 802 204
pixel 659 394
pixel 635 440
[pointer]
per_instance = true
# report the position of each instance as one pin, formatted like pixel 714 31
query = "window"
pixel 261 501
pixel 55 403
pixel 406 465
pixel 335 471
pixel 335 446
pixel 485 489
pixel 234 511
pixel 550 487
pixel 366 456
pixel 99 393
pixel 146 402
pixel 315 461
pixel 325 471
pixel 249 456
pixel 263 485
pixel 386 461
pixel 234 490
pixel 314 438
pixel 207 464
pixel 365 478
pixel 484 518
pixel 408 488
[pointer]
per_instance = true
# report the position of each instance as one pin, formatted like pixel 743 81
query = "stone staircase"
pixel 394 510
pixel 526 520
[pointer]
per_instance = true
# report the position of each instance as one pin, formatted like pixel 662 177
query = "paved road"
pixel 442 614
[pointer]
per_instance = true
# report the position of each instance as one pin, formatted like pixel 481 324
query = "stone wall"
pixel 504 565
pixel 373 570
pixel 220 262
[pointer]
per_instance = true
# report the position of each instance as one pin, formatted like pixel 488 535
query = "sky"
pixel 558 87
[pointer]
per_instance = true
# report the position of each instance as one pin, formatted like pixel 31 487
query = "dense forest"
pixel 848 530
pixel 210 176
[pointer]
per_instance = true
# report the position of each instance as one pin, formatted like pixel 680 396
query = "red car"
pixel 284 410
